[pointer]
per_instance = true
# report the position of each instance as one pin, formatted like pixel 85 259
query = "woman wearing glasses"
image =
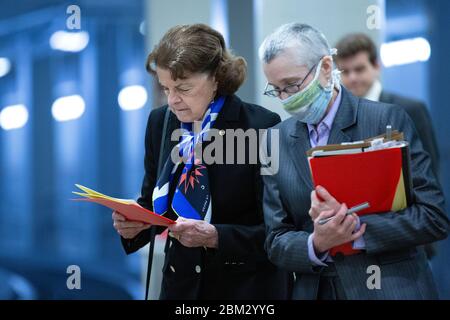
pixel 216 248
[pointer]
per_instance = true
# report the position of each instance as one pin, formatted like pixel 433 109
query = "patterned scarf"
pixel 192 196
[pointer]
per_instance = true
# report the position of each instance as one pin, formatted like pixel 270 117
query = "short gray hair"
pixel 309 42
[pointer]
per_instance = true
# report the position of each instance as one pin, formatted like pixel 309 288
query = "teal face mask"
pixel 310 104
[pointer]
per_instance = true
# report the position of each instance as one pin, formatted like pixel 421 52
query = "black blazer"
pixel 418 113
pixel 239 268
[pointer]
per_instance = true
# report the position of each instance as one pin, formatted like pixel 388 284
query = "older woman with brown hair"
pixel 216 248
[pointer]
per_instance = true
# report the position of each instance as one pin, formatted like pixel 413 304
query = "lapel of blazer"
pixel 229 114
pixel 345 118
pixel 300 144
pixel 228 118
pixel 172 125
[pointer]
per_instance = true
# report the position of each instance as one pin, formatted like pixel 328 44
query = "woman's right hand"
pixel 339 230
pixel 126 228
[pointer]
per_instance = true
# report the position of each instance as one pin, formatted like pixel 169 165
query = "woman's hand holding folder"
pixel 194 233
pixel 126 228
pixel 337 231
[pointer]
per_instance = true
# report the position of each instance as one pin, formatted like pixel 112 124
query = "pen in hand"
pixel 350 211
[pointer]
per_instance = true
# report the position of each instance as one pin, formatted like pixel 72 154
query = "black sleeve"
pixel 152 141
pixel 237 241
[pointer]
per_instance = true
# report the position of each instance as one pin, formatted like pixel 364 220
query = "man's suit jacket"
pixel 392 239
pixel 420 116
pixel 239 268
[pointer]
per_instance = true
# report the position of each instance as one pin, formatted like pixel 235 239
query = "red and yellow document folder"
pixel 129 208
pixel 354 175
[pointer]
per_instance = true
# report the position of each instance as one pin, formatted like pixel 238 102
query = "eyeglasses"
pixel 290 89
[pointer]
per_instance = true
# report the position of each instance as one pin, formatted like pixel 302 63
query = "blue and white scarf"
pixel 192 195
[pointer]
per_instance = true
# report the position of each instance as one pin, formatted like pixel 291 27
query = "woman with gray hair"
pixel 308 49
pixel 299 68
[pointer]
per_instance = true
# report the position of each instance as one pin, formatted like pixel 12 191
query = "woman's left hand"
pixel 194 233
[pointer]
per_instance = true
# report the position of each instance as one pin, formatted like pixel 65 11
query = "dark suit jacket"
pixel 393 239
pixel 418 113
pixel 239 268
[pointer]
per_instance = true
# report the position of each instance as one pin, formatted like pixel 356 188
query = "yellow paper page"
pixel 94 194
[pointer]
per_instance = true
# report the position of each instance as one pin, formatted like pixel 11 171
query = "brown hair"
pixel 197 48
pixel 352 44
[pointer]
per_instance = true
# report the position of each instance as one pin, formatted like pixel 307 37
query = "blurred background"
pixel 75 97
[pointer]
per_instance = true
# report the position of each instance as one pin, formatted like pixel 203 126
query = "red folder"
pixel 132 211
pixel 378 177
